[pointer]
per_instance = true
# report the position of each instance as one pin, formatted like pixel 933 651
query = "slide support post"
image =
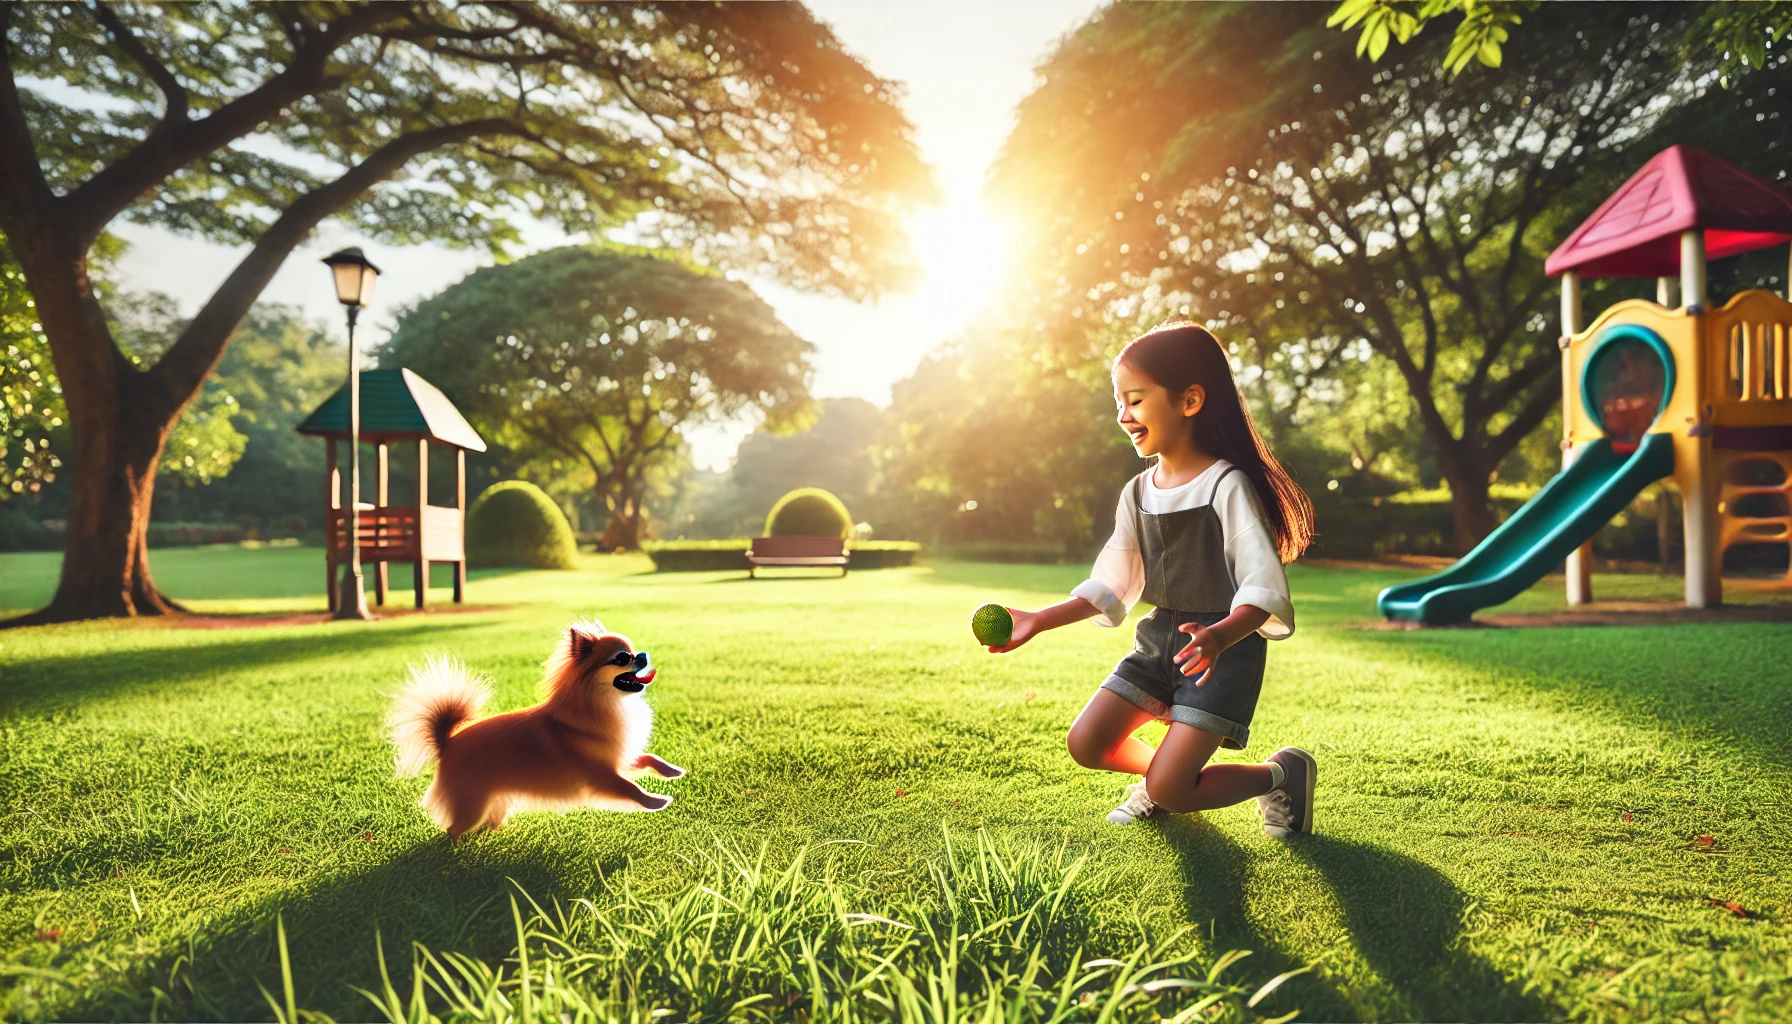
pixel 1580 560
pixel 1667 292
pixel 1704 585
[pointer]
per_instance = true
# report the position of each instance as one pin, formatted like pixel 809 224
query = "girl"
pixel 1202 536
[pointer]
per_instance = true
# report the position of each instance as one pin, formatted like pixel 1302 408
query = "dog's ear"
pixel 580 644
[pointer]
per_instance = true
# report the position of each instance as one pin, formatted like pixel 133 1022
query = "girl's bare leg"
pixel 1179 779
pixel 1102 736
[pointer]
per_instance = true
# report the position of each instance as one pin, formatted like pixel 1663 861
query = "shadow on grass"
pixel 450 897
pixel 61 680
pixel 1214 872
pixel 1404 918
pixel 1726 679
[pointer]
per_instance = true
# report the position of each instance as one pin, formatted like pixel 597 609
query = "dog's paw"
pixel 655 802
pixel 672 771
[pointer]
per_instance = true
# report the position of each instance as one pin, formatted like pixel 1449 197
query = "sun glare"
pixel 962 254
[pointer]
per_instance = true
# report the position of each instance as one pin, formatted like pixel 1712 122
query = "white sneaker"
pixel 1137 806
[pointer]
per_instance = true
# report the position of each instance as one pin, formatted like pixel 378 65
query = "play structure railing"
pixel 1748 339
pixel 390 533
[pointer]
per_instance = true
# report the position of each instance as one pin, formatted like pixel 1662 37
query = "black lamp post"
pixel 354 289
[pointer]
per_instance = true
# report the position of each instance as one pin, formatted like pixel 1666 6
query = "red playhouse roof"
pixel 1636 232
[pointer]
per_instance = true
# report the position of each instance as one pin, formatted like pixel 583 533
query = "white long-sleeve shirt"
pixel 1117 580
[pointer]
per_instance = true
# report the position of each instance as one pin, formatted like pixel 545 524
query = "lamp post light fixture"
pixel 354 289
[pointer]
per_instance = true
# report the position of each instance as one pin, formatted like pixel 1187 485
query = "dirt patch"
pixel 1612 613
pixel 264 621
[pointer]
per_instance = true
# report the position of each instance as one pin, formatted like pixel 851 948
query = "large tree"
pixel 743 132
pixel 1313 208
pixel 604 357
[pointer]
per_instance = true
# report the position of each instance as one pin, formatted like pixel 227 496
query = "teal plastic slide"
pixel 1562 517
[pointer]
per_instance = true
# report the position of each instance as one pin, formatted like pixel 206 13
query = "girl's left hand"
pixel 1203 647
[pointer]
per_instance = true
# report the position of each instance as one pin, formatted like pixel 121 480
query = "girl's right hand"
pixel 1026 627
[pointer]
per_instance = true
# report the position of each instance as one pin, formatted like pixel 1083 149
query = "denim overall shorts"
pixel 1187 580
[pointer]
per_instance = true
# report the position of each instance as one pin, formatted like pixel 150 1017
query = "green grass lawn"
pixel 1514 823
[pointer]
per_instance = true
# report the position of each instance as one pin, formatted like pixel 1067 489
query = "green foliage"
pixel 514 524
pixel 1363 239
pixel 808 512
pixel 1746 35
pixel 956 457
pixel 30 399
pixel 278 368
pixel 1741 35
pixel 603 358
pixel 699 122
pixel 750 139
pixel 836 452
pixel 1479 35
pixel 19 531
pixel 205 443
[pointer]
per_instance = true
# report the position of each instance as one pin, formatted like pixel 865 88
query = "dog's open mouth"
pixel 638 676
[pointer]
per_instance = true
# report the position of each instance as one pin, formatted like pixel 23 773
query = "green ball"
pixel 992 625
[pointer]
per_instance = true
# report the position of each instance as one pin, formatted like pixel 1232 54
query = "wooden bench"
pixel 810 552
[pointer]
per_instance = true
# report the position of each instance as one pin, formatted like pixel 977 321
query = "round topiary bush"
pixel 514 525
pixel 809 512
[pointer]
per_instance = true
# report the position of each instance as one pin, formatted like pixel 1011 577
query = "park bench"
pixel 811 552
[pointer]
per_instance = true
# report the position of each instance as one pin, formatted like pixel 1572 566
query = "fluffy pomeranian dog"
pixel 571 750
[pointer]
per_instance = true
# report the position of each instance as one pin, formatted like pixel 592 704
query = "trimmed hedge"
pixel 722 555
pixel 514 525
pixel 19 531
pixel 189 535
pixel 1022 552
pixel 1423 523
pixel 809 512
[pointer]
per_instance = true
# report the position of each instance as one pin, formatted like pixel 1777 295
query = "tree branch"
pixel 1534 413
pixel 110 191
pixel 178 374
pixel 1521 379
pixel 174 95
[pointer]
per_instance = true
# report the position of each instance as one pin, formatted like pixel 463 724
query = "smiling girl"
pixel 1201 536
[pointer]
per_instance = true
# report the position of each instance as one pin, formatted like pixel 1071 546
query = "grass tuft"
pixel 999 934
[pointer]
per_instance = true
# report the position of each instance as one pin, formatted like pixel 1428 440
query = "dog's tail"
pixel 442 695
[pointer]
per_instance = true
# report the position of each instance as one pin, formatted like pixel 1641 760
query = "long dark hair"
pixel 1182 353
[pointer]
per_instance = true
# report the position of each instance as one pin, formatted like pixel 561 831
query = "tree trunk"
pixel 623 531
pixel 118 441
pixel 1471 514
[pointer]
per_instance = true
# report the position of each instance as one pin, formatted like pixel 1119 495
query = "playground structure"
pixel 1651 391
pixel 397 406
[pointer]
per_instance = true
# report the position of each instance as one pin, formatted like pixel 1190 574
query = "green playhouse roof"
pixel 395 404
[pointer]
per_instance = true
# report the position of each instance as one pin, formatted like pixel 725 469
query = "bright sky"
pixel 966 64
